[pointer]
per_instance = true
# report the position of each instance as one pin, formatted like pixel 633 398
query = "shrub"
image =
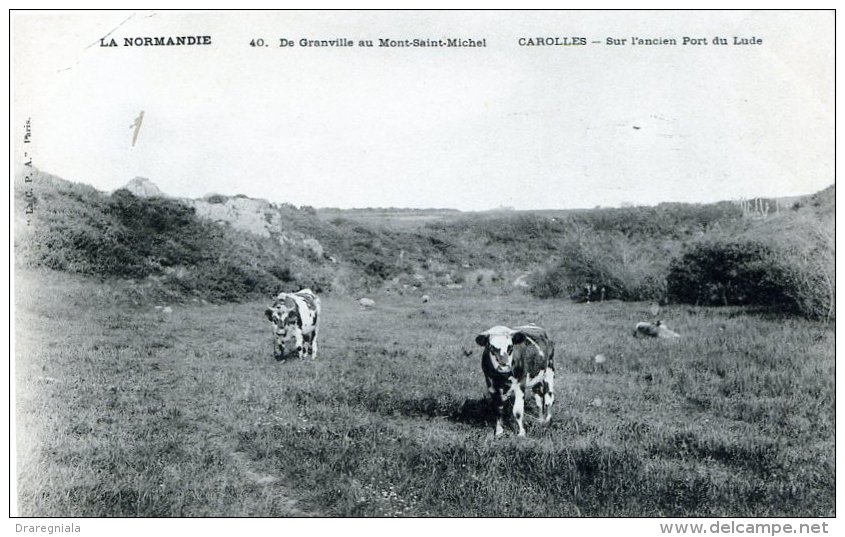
pixel 726 272
pixel 626 269
pixel 786 266
pixel 216 199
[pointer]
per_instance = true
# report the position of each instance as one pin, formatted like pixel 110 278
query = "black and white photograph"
pixel 423 264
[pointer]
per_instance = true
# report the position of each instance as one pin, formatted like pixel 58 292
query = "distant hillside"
pixel 155 240
pixel 227 248
pixel 822 203
pixel 219 247
pixel 393 218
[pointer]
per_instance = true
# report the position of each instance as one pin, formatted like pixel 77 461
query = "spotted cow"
pixel 513 361
pixel 655 329
pixel 294 317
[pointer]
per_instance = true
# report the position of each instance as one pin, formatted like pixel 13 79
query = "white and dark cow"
pixel 656 329
pixel 513 361
pixel 294 317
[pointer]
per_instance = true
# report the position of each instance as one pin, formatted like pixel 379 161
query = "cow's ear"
pixel 269 314
pixel 518 338
pixel 290 303
pixel 482 339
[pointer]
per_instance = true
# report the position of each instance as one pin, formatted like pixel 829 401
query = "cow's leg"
pixel 314 344
pixel 549 395
pixel 306 345
pixel 519 406
pixel 539 391
pixel 499 408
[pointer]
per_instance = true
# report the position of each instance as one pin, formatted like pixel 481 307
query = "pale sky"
pixel 532 127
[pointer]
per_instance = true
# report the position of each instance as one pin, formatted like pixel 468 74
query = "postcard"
pixel 429 264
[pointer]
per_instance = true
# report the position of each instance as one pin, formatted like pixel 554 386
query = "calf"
pixel 514 360
pixel 655 329
pixel 294 317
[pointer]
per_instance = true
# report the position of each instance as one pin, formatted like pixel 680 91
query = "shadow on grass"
pixel 474 412
pixel 477 413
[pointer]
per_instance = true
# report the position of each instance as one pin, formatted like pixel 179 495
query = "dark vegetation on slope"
pixel 778 262
pixel 713 254
pixel 75 228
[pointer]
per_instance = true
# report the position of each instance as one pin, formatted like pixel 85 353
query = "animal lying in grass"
pixel 655 329
pixel 294 317
pixel 513 361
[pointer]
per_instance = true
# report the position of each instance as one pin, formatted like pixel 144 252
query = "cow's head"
pixel 498 342
pixel 287 329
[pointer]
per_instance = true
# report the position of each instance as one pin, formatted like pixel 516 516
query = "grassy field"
pixel 395 219
pixel 125 410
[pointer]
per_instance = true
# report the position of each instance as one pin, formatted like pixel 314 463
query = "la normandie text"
pixel 164 41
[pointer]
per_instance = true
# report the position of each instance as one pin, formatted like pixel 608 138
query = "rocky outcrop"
pixel 246 214
pixel 144 188
pixel 256 216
